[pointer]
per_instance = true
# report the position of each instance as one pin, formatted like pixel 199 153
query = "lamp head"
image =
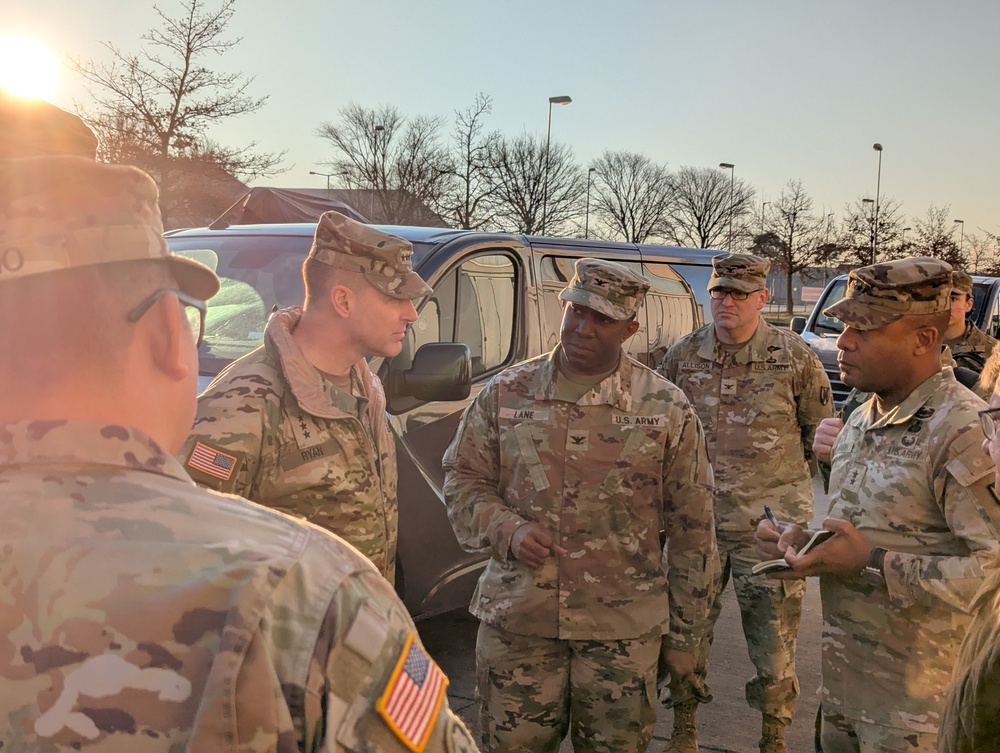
pixel 563 100
pixel 877 147
pixel 726 165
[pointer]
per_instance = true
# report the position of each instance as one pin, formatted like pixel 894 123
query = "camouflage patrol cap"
pixel 880 294
pixel 65 212
pixel 961 282
pixel 384 260
pixel 34 128
pixel 609 288
pixel 744 272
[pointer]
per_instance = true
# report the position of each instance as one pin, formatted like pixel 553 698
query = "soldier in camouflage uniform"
pixel 970 346
pixel 914 520
pixel 564 470
pixel 299 424
pixel 140 612
pixel 760 392
pixel 971 719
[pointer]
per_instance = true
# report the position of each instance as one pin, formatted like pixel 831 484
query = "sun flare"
pixel 28 67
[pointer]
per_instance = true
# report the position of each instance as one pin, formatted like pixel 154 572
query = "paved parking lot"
pixel 727 724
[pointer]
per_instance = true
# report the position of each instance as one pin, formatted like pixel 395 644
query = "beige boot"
pixel 684 738
pixel 772 735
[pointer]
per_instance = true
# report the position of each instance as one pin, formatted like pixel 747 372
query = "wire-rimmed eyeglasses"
pixel 989 421
pixel 194 310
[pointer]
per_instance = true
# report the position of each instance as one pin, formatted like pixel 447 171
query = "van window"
pixel 473 304
pixel 669 311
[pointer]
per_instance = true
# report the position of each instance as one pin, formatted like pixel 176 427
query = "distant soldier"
pixel 299 424
pixel 565 470
pixel 915 521
pixel 760 392
pixel 140 612
pixel 970 346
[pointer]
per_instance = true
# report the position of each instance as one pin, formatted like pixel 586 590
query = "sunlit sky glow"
pixel 782 89
pixel 28 67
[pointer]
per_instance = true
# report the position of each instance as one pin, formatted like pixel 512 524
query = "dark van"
pixel 496 293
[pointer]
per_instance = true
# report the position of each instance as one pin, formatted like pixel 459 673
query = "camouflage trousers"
pixel 842 735
pixel 532 691
pixel 771 611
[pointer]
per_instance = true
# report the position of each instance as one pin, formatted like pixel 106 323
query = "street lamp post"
pixel 327 176
pixel 377 130
pixel 878 189
pixel 561 100
pixel 763 206
pixel 871 236
pixel 961 243
pixel 903 241
pixel 586 224
pixel 732 183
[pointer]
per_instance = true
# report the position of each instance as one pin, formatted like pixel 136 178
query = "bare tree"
pixel 935 236
pixel 799 234
pixel 400 160
pixel 704 201
pixel 858 236
pixel 978 253
pixel 517 184
pixel 633 195
pixel 468 202
pixel 155 108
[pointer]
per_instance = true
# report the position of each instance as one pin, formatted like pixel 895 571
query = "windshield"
pixel 827 324
pixel 257 273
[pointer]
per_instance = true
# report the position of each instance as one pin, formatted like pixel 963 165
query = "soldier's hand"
pixel 532 544
pixel 826 435
pixel 844 553
pixel 681 664
pixel 772 543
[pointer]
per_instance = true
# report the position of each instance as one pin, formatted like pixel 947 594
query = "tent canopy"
pixel 283 205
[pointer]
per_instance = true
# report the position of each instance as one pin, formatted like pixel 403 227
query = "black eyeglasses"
pixel 737 295
pixel 988 419
pixel 194 310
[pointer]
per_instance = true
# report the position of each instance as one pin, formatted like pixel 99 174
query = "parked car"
pixel 497 293
pixel 821 331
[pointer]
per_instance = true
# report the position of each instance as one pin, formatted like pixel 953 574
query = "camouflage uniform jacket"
pixel 295 443
pixel 760 407
pixel 971 720
pixel 605 475
pixel 916 483
pixel 973 340
pixel 140 612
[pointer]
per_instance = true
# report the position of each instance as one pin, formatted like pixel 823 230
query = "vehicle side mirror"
pixel 798 325
pixel 440 371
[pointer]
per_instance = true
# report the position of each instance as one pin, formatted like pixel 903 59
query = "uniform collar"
pixel 913 405
pixel 85 443
pixel 614 390
pixel 314 394
pixel 754 350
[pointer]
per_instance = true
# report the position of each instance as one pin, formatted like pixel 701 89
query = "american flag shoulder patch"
pixel 413 696
pixel 214 462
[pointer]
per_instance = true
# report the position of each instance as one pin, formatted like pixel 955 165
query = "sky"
pixel 784 89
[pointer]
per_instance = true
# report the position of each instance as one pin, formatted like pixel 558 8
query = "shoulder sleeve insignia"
pixel 413 696
pixel 217 465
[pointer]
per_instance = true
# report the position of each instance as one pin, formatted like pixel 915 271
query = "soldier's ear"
pixel 169 337
pixel 630 330
pixel 343 300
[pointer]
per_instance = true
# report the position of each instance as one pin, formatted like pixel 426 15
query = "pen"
pixel 770 516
